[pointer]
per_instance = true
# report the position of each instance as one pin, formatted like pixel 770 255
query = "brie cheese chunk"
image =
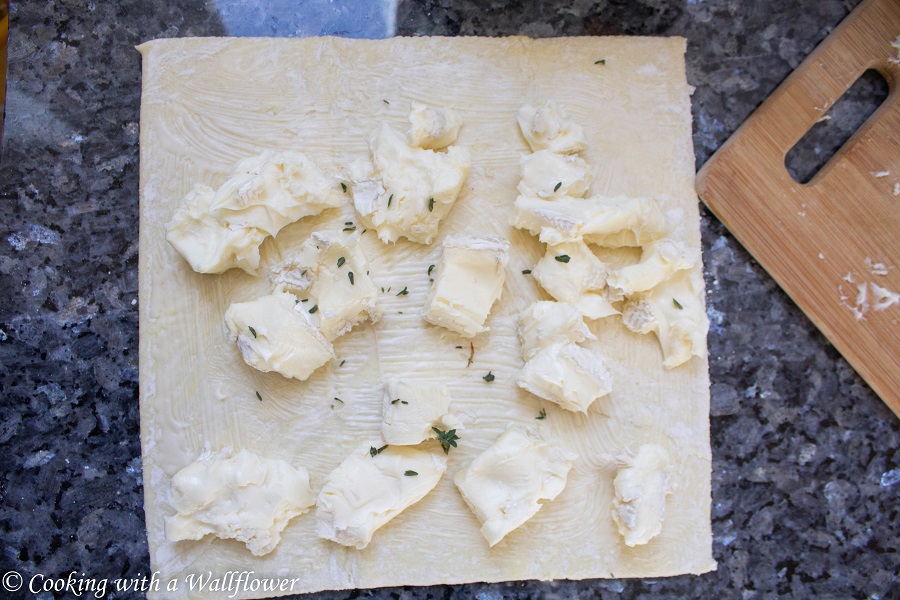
pixel 568 374
pixel 674 311
pixel 546 174
pixel 612 222
pixel 239 496
pixel 432 128
pixel 571 273
pixel 509 482
pixel 548 127
pixel 331 272
pixel 407 191
pixel 411 410
pixel 467 282
pixel 658 262
pixel 283 338
pixel 206 243
pixel 641 486
pixel 364 492
pixel 545 323
pixel 215 232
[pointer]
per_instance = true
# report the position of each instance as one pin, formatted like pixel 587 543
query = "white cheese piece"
pixel 681 331
pixel 547 127
pixel 330 271
pixel 208 245
pixel 545 323
pixel 581 281
pixel 364 492
pixel 238 496
pixel 613 222
pixel 283 339
pixel 467 282
pixel 509 482
pixel 547 174
pixel 407 191
pixel 411 410
pixel 567 374
pixel 274 189
pixel 432 128
pixel 221 229
pixel 658 262
pixel 641 486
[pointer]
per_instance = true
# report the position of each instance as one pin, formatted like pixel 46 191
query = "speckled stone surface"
pixel 806 459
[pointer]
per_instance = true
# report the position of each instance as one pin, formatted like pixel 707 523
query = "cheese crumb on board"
pixel 239 496
pixel 331 272
pixel 372 486
pixel 641 486
pixel 216 230
pixel 509 482
pixel 276 333
pixel 411 411
pixel 468 281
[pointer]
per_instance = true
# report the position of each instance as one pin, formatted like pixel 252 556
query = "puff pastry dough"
pixel 209 102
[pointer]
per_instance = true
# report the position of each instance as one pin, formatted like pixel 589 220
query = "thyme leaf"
pixel 563 258
pixel 253 331
pixel 446 438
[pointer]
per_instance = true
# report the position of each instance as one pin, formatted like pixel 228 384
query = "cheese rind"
pixel 218 230
pixel 509 482
pixel 239 496
pixel 407 191
pixel 331 272
pixel 467 282
pixel 365 492
pixel 641 486
pixel 411 410
pixel 283 338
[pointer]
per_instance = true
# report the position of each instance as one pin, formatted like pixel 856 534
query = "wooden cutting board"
pixel 837 237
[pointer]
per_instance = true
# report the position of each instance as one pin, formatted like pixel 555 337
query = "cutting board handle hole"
pixel 828 135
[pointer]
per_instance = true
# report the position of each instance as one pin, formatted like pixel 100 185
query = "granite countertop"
pixel 806 459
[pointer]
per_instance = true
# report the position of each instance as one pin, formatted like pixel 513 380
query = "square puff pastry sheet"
pixel 209 102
